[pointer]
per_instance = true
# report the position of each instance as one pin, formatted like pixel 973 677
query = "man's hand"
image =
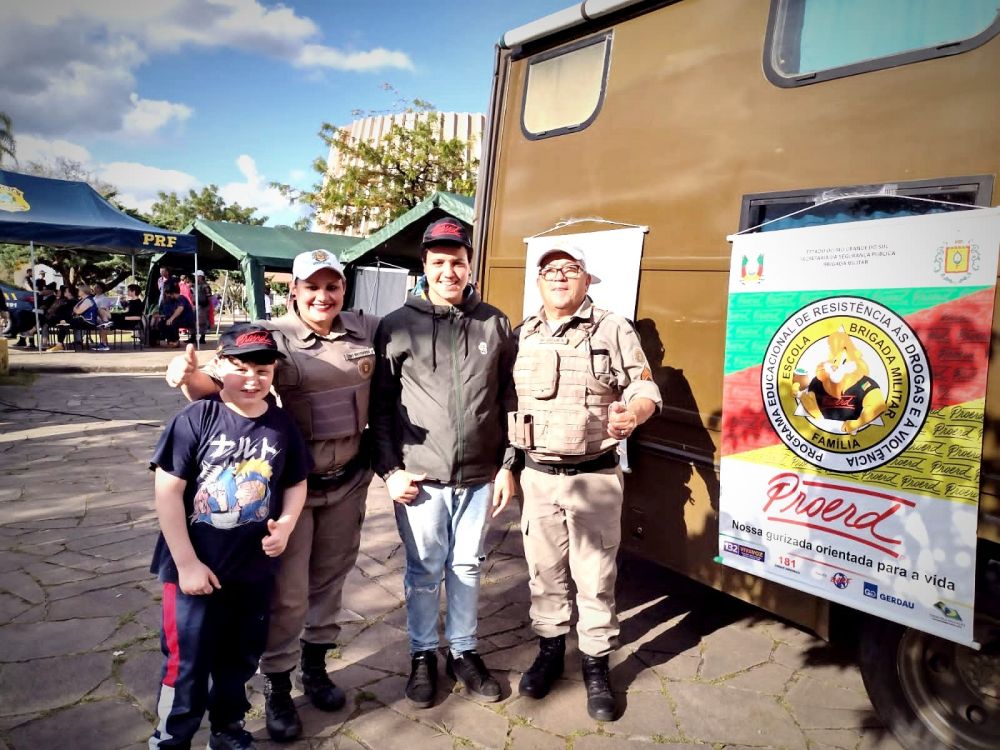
pixel 403 486
pixel 197 578
pixel 621 421
pixel 504 488
pixel 277 538
pixel 181 367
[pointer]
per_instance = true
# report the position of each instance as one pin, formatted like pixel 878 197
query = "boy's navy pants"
pixel 211 646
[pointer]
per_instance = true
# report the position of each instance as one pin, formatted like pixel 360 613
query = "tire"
pixel 930 692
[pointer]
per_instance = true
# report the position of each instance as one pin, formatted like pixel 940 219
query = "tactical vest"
pixel 564 389
pixel 324 385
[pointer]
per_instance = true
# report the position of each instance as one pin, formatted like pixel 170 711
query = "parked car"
pixel 13 299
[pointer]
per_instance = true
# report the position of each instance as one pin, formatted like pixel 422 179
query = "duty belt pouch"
pixel 521 430
pixel 566 431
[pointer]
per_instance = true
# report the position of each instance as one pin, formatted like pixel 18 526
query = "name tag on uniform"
pixel 552 340
pixel 351 356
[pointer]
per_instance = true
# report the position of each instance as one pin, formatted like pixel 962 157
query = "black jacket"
pixel 441 377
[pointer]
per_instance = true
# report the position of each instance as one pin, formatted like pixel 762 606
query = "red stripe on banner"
pixel 955 335
pixel 170 633
pixel 745 427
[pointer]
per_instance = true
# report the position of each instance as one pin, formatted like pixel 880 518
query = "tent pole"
pixel 197 322
pixel 222 304
pixel 34 296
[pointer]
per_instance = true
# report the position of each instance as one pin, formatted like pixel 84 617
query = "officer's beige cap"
pixel 306 264
pixel 572 251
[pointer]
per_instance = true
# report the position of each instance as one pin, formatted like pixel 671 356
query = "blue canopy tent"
pixel 68 214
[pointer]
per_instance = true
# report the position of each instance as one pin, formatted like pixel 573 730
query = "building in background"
pixel 464 126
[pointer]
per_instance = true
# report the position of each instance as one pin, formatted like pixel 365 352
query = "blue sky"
pixel 176 94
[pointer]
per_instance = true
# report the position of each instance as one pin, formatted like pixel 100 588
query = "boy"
pixel 230 484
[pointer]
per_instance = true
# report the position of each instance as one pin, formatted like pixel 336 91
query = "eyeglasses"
pixel 551 273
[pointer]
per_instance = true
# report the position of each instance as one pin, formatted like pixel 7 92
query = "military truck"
pixel 697 119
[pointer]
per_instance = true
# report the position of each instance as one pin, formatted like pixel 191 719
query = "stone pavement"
pixel 79 620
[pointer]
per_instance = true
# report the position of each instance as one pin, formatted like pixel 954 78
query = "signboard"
pixel 612 255
pixel 855 381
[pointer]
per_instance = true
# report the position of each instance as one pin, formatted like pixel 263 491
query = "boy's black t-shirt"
pixel 236 469
pixel 134 308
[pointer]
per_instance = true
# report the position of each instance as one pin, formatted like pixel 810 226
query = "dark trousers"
pixel 211 645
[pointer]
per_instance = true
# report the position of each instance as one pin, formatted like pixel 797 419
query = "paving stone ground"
pixel 79 619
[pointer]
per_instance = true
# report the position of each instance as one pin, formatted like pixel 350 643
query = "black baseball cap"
pixel 245 340
pixel 446 231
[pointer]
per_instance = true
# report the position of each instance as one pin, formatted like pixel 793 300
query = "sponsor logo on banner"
pixel 895 600
pixel 12 200
pixel 949 615
pixel 871 590
pixel 743 551
pixel 846 384
pixel 840 580
pixel 752 276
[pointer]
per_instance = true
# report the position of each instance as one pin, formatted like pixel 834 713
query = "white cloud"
pixel 147 116
pixel 256 191
pixel 34 149
pixel 138 184
pixel 69 68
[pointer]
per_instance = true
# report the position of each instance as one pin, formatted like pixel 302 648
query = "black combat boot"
pixel 283 723
pixel 547 668
pixel 600 701
pixel 469 668
pixel 422 685
pixel 316 682
pixel 230 737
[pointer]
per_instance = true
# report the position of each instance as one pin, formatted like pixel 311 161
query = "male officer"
pixel 583 384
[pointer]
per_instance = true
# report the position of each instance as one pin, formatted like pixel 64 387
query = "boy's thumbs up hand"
pixel 276 540
pixel 182 366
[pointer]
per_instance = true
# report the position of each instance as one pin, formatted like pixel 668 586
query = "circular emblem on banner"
pixel 846 384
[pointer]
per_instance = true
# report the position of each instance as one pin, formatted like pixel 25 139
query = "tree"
pixel 384 179
pixel 7 146
pixel 174 212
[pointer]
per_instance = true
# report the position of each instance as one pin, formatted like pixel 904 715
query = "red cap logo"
pixel 256 337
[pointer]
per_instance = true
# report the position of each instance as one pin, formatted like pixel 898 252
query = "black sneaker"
pixel 422 685
pixel 232 737
pixel 468 667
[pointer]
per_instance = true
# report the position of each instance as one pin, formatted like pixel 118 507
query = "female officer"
pixel 324 382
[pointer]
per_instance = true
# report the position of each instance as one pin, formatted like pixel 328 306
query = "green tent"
pixel 398 241
pixel 255 249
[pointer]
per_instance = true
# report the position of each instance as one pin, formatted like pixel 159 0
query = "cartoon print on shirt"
pixel 234 492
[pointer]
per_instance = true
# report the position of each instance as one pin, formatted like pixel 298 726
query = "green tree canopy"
pixel 174 212
pixel 386 178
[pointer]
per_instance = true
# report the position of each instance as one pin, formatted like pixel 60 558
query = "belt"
pixel 335 478
pixel 607 460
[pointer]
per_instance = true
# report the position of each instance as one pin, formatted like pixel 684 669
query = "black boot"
pixel 422 685
pixel 230 737
pixel 547 668
pixel 600 701
pixel 476 678
pixel 316 682
pixel 283 723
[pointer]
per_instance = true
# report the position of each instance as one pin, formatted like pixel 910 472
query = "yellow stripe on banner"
pixel 942 462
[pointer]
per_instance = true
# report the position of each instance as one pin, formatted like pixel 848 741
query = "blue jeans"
pixel 443 531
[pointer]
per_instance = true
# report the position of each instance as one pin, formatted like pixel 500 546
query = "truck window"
pixel 868 202
pixel 815 40
pixel 564 88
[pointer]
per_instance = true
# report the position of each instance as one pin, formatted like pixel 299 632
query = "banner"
pixel 855 383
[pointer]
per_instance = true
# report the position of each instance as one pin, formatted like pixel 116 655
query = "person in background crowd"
pixel 87 316
pixel 324 381
pixel 164 278
pixel 204 305
pixel 442 374
pixel 583 384
pixel 175 313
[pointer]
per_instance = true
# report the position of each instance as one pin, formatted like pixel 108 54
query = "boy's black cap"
pixel 248 339
pixel 444 232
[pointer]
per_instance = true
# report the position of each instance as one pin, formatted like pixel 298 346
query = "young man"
pixel 230 485
pixel 175 313
pixel 583 384
pixel 442 373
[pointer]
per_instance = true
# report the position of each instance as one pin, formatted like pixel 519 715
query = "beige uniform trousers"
pixel 571 525
pixel 309 587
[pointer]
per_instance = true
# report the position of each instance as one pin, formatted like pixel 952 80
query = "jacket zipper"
pixel 456 375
